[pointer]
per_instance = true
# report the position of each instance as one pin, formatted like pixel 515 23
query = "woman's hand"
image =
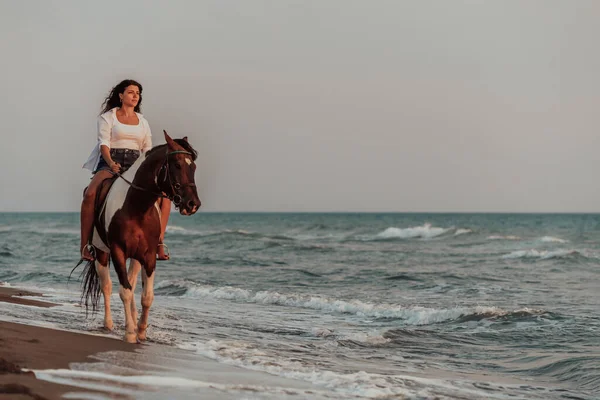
pixel 115 167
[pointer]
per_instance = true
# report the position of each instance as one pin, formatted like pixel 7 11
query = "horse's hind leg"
pixel 125 291
pixel 103 271
pixel 147 296
pixel 134 270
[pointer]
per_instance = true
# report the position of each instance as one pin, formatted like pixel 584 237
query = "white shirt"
pixel 116 135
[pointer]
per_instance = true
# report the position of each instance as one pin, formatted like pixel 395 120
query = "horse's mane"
pixel 182 143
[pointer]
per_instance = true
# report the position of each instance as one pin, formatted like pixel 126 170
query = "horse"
pixel 127 226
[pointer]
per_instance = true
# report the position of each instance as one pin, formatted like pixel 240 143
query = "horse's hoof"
pixel 109 326
pixel 131 337
pixel 141 336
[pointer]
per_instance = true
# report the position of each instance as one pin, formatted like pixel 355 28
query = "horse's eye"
pixel 178 166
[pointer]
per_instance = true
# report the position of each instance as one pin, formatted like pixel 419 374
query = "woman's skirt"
pixel 125 157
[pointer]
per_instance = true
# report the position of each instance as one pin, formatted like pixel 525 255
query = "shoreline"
pixel 16 296
pixel 28 347
pixel 51 353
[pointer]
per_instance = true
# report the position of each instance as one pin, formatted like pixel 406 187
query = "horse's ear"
pixel 170 141
pixel 185 138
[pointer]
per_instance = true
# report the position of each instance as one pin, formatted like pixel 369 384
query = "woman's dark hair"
pixel 113 100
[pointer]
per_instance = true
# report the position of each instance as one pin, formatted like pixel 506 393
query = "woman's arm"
pixel 105 151
pixel 104 133
pixel 147 142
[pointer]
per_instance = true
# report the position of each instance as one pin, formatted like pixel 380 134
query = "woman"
pixel 122 134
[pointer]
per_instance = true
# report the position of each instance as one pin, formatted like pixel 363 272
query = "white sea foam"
pixel 175 228
pixel 507 237
pixel 551 239
pixel 356 384
pixel 426 231
pixel 179 230
pixel 247 356
pixel 102 381
pixel 540 254
pixel 370 338
pixel 411 315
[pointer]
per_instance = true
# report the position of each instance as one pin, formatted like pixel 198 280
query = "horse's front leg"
pixel 147 295
pixel 103 271
pixel 125 291
pixel 134 270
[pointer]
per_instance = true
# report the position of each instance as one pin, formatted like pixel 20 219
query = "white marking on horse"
pixel 147 299
pixel 188 161
pixel 118 192
pixel 106 286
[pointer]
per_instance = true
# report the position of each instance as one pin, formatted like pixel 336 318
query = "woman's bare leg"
pixel 87 211
pixel 165 211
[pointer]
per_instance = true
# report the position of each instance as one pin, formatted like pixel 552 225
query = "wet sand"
pixel 15 296
pixel 164 371
pixel 31 347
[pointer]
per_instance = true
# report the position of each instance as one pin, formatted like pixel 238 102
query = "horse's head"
pixel 180 169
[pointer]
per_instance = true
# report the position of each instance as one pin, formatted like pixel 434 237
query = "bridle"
pixel 175 186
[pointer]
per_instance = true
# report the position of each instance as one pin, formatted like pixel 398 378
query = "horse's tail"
pixel 90 293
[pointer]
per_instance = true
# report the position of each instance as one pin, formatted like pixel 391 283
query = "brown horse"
pixel 127 226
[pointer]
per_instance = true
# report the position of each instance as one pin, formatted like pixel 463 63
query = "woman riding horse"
pixel 122 134
pixel 128 227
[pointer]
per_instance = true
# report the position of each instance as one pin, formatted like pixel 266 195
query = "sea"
pixel 336 306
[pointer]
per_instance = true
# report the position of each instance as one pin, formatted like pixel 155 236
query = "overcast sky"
pixel 328 105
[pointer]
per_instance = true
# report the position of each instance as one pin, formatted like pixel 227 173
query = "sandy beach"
pixel 57 355
pixel 30 347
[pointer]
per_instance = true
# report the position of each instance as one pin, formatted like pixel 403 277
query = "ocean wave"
pixel 363 339
pixel 462 231
pixel 359 384
pixel 246 355
pixel 41 230
pixel 581 369
pixel 425 232
pixel 299 246
pixel 404 277
pixel 543 254
pixel 132 383
pixel 412 315
pixel 551 239
pixel 501 237
pixel 307 273
pixel 499 314
pixel 60 231
pixel 178 230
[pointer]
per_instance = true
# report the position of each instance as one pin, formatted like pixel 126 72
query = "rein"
pixel 174 197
